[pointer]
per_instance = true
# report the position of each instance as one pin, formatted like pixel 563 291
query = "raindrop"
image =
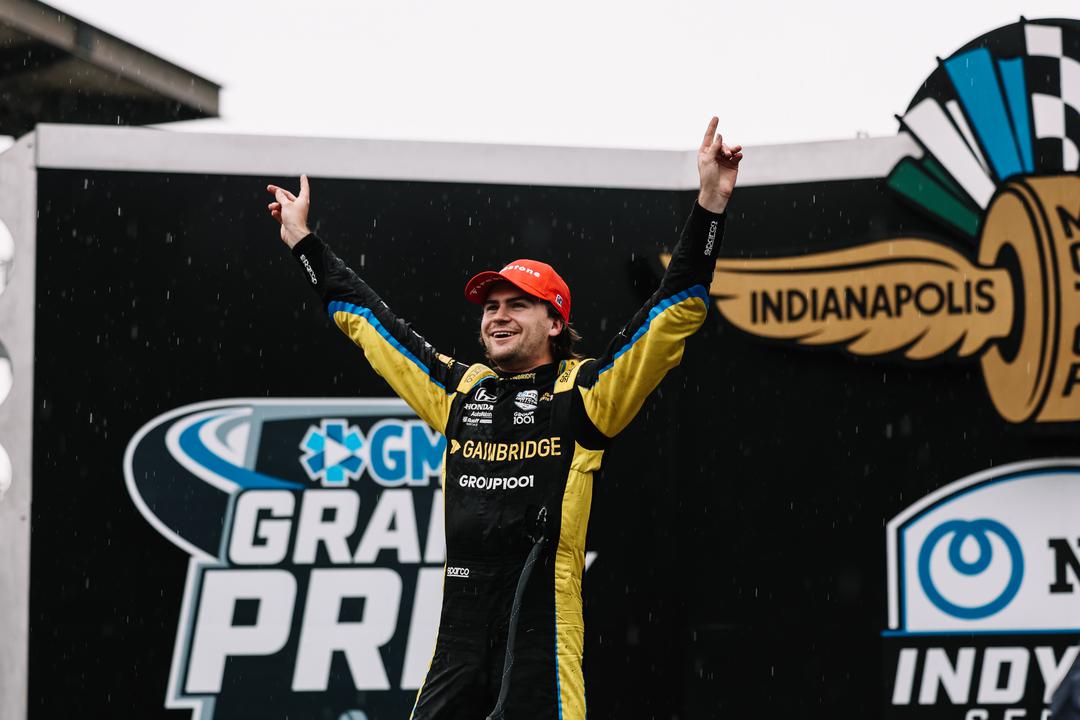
pixel 5 472
pixel 7 254
pixel 6 374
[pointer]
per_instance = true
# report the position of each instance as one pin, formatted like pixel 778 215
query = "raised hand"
pixel 718 166
pixel 291 211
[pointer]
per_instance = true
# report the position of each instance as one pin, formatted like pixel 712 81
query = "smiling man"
pixel 525 433
pixel 523 306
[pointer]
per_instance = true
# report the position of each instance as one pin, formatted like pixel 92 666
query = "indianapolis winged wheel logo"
pixel 999 124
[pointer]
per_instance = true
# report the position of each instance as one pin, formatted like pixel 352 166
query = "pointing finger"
pixel 305 188
pixel 707 140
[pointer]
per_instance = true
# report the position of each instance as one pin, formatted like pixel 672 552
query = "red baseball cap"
pixel 536 278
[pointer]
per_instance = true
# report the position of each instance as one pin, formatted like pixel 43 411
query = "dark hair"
pixel 564 345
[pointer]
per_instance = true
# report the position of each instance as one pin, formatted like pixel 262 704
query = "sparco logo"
pixel 310 272
pixel 984 590
pixel 458 572
pixel 301 559
pixel 711 242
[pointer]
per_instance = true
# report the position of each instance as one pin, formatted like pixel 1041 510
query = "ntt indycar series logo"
pixel 315 532
pixel 984 594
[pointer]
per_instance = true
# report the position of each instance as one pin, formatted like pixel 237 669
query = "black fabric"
pixel 488 535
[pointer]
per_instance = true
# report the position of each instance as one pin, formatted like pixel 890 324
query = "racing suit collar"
pixel 538 373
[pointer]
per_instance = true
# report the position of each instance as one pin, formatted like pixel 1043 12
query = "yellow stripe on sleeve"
pixel 409 378
pixel 639 366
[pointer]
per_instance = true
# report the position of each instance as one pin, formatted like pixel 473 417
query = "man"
pixel 525 433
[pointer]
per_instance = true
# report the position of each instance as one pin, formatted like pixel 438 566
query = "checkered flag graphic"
pixel 1005 105
pixel 1052 72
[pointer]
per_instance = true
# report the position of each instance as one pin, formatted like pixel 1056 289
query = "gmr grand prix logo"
pixel 315 530
pixel 984 594
pixel 999 123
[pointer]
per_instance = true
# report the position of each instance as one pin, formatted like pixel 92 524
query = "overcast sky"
pixel 596 73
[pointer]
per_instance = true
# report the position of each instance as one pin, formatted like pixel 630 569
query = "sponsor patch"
pixel 481 482
pixel 511 452
pixel 526 400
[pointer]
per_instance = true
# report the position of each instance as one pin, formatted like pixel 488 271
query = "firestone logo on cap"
pixel 522 268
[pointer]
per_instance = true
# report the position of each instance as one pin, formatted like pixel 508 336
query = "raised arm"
pixel 615 385
pixel 423 378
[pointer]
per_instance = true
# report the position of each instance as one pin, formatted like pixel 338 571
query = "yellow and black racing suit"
pixel 517 443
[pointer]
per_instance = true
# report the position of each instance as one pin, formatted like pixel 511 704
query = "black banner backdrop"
pixel 738 523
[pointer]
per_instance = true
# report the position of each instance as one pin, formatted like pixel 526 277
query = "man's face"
pixel 516 329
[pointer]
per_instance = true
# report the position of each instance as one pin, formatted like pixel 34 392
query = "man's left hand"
pixel 718 166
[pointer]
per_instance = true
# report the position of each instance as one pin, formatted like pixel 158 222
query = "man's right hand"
pixel 291 211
